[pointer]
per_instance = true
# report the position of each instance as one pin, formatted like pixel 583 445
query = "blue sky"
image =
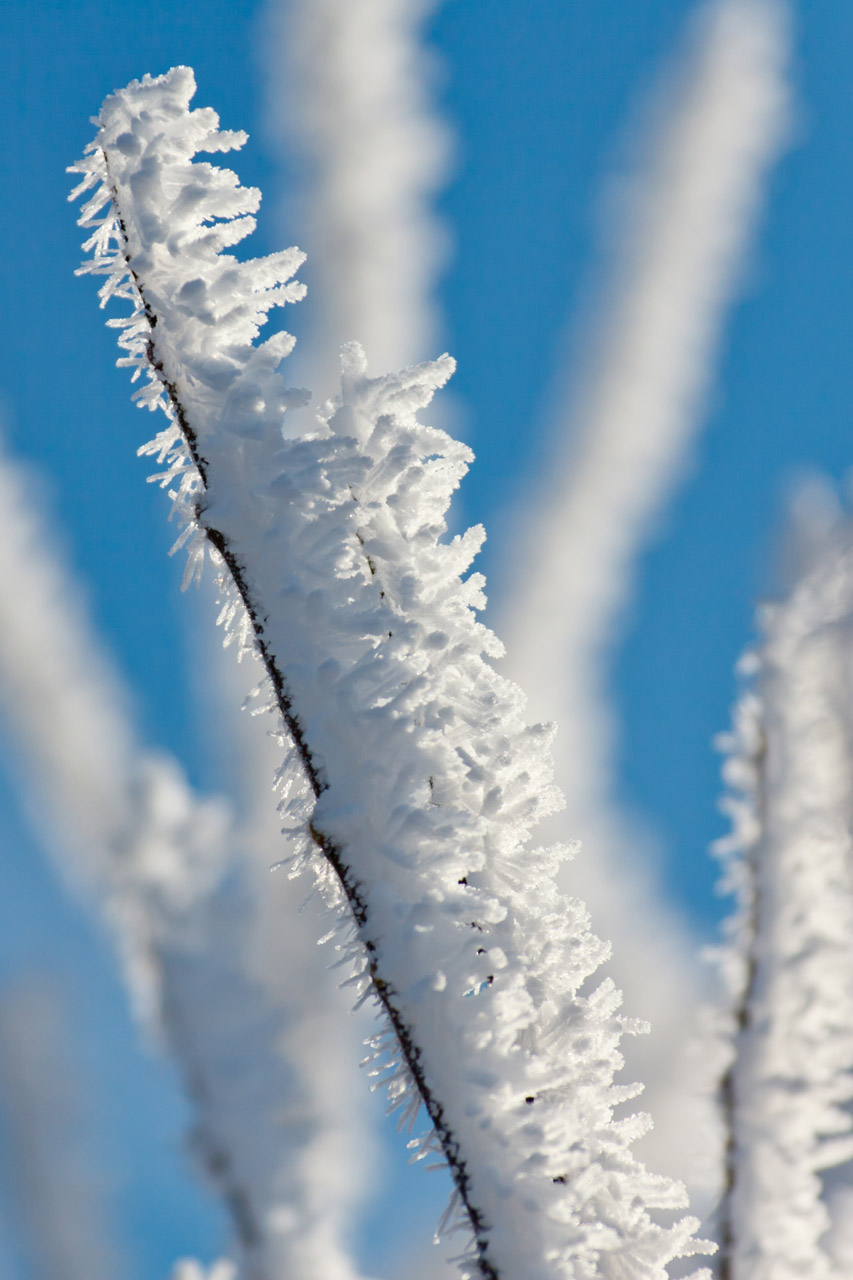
pixel 539 98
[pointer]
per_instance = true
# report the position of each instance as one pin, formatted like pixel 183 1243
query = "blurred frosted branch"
pixel 621 441
pixel 180 887
pixel 348 90
pixel 47 1170
pixel 788 1087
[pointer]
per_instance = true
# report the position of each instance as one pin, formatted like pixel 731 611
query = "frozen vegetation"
pixel 629 408
pixel 267 1063
pixel 788 1039
pixel 348 95
pixel 411 783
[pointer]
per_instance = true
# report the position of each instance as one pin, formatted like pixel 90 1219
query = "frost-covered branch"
pixel 412 781
pixel 178 883
pixel 47 1172
pixel 622 435
pixel 349 113
pixel 788 1086
pixel 348 103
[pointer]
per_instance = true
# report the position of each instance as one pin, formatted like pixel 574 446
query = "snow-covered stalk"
pixel 788 963
pixel 45 1167
pixel 172 876
pixel 348 110
pixel 313 1158
pixel 743 802
pixel 348 106
pixel 624 425
pixel 412 781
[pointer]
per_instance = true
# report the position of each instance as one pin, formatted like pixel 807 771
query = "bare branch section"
pixel 412 780
pixel 787 1092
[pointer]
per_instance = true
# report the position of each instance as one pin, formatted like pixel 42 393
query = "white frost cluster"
pixel 789 961
pixel 413 780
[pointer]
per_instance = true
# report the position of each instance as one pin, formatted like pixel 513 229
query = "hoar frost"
pixel 412 782
pixel 788 1037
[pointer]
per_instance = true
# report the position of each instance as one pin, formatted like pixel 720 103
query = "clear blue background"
pixel 539 95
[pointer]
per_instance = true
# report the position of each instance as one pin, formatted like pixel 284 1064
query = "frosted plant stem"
pixel 349 101
pixel 331 849
pixel 787 1086
pixel 411 781
pixel 728 1099
pixel 169 875
pixel 215 1155
pixel 628 410
pixel 57 1195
